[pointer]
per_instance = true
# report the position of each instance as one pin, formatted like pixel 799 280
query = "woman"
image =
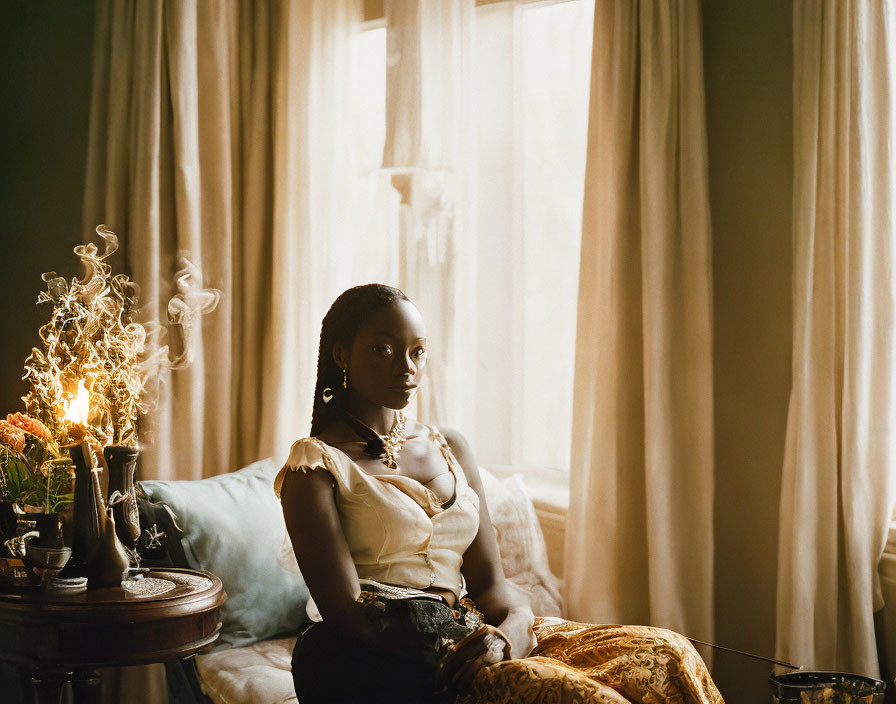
pixel 372 499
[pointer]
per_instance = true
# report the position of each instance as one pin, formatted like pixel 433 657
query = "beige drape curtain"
pixel 217 129
pixel 639 545
pixel 839 479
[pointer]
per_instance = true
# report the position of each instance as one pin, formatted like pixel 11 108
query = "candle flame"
pixel 77 408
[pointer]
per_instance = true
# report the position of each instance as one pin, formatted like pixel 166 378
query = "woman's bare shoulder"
pixel 462 451
pixel 455 439
pixel 310 459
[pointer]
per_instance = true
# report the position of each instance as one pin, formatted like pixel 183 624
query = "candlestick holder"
pixel 97 553
pixel 88 509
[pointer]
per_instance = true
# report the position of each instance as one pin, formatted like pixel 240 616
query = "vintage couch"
pixel 232 525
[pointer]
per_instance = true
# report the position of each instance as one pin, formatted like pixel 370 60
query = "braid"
pixel 340 324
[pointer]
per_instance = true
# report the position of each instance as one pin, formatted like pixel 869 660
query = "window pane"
pixel 493 437
pixel 369 62
pixel 372 201
pixel 555 58
pixel 532 75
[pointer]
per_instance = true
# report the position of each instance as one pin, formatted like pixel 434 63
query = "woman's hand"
pixel 485 647
pixel 503 603
pixel 517 626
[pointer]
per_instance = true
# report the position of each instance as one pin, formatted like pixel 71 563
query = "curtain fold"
pixel 639 546
pixel 220 129
pixel 839 475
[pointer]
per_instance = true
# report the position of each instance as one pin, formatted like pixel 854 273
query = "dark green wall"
pixel 45 64
pixel 45 48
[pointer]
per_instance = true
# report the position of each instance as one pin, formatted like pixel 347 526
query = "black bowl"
pixel 46 563
pixel 47 558
pixel 838 687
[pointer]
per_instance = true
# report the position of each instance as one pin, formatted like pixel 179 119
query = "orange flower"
pixel 12 437
pixel 30 425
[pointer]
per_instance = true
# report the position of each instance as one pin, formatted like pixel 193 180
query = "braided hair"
pixel 353 307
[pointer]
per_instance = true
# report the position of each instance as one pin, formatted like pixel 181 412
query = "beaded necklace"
pixel 385 447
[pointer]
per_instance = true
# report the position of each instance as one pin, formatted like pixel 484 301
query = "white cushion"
pixel 253 674
pixel 524 555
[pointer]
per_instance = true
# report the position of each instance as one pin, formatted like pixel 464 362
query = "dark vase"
pixel 121 462
pixel 89 515
pixel 8 524
pixel 109 563
pixel 48 529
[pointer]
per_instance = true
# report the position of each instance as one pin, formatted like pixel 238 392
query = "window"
pixel 532 85
pixel 534 62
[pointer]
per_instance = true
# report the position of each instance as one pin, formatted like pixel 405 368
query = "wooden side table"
pixel 62 637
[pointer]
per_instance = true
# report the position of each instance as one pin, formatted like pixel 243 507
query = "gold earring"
pixel 345 378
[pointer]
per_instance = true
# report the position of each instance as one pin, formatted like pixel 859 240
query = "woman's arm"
pixel 325 561
pixel 502 605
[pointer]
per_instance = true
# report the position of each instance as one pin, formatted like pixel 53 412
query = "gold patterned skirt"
pixel 575 663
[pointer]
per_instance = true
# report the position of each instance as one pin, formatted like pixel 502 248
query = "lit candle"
pixel 77 408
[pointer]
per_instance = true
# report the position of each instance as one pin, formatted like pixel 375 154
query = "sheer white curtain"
pixel 222 129
pixel 839 482
pixel 639 545
pixel 429 155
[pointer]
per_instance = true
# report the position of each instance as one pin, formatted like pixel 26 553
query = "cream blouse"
pixel 396 529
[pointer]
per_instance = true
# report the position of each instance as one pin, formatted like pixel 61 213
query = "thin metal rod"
pixel 749 655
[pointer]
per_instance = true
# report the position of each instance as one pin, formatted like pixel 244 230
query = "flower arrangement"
pixel 88 377
pixel 84 383
pixel 90 343
pixel 89 339
pixel 33 471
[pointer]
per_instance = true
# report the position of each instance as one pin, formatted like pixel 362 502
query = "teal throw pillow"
pixel 233 527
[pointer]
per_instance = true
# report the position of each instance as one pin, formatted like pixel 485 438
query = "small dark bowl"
pixel 46 562
pixel 51 558
pixel 838 687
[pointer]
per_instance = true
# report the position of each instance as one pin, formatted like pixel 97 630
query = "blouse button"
pixel 432 571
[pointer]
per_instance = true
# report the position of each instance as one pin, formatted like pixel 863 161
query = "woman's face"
pixel 387 357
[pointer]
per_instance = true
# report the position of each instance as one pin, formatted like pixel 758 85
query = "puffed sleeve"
pixel 308 454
